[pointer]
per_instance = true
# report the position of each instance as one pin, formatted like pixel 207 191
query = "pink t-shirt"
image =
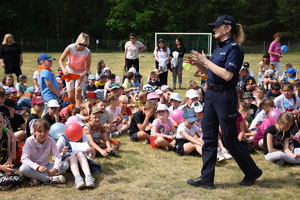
pixel 275 47
pixel 76 60
pixel 163 128
pixel 261 131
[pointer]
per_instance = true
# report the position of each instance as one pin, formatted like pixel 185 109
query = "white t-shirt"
pixel 113 115
pixel 182 127
pixel 61 142
pixel 258 120
pixel 36 75
pixel 162 55
pixel 133 49
pixel 282 103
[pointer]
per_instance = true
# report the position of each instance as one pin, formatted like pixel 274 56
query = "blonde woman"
pixel 11 56
pixel 79 62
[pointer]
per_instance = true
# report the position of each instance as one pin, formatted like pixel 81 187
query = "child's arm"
pixel 287 150
pixel 149 113
pixel 155 133
pixel 242 131
pixel 36 83
pixel 57 160
pixel 190 138
pixel 87 132
pixel 12 145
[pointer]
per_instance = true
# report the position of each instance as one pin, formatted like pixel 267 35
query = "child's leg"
pixel 280 155
pixel 20 135
pixel 73 164
pixel 31 173
pixel 161 142
pixel 261 143
pixel 143 135
pixel 188 147
pixel 83 163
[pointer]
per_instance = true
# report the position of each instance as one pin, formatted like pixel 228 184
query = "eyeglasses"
pixel 85 45
pixel 132 38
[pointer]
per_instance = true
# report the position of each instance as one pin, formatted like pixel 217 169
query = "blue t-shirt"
pixel 47 75
pixel 229 55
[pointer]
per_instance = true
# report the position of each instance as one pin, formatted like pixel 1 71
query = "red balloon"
pixel 273 116
pixel 177 115
pixel 73 131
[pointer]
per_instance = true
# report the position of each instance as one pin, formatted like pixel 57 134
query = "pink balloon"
pixel 177 115
pixel 73 131
pixel 273 116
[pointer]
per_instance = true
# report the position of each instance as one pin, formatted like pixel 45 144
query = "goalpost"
pixel 192 41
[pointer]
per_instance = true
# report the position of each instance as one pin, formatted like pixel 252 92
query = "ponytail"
pixel 238 34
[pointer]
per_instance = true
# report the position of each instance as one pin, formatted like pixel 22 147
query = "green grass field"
pixel 145 173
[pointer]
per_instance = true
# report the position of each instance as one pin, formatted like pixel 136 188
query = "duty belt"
pixel 220 88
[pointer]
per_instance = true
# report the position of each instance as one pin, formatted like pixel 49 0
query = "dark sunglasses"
pixel 85 45
pixel 132 38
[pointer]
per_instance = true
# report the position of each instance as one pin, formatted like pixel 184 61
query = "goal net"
pixel 192 41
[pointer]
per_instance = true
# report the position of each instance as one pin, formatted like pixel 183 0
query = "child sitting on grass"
pixel 36 153
pixel 141 121
pixel 97 136
pixel 115 114
pixel 161 128
pixel 8 176
pixel 64 146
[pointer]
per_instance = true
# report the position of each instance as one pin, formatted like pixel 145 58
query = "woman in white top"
pixel 131 53
pixel 162 57
pixel 263 66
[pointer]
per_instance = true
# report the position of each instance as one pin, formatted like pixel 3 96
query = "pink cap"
pixel 74 119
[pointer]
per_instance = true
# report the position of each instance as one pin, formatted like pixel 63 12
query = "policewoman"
pixel 221 102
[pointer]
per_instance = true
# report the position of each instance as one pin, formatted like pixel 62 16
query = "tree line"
pixel 115 19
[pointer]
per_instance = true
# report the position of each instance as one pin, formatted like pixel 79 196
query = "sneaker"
pixel 113 153
pixel 33 182
pixel 58 179
pixel 226 154
pixel 114 134
pixel 164 148
pixel 248 181
pixel 220 157
pixel 89 182
pixel 280 162
pixel 198 182
pixel 144 141
pixel 79 183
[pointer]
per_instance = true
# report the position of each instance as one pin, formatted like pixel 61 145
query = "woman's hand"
pixel 3 65
pixel 200 57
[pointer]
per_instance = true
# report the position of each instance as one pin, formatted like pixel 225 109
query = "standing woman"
pixel 79 62
pixel 11 56
pixel 162 57
pixel 177 66
pixel 131 53
pixel 275 53
pixel 221 102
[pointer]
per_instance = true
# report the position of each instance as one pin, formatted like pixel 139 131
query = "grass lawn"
pixel 145 173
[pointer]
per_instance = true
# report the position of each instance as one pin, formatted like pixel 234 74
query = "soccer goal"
pixel 192 41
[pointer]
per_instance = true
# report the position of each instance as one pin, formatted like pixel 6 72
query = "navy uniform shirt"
pixel 229 55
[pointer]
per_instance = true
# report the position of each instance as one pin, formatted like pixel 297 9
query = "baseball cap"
pixel 248 95
pixel 91 94
pixel 110 76
pixel 270 71
pixel 175 96
pixel 246 64
pixel 164 87
pixel 197 106
pixel 13 89
pixel 74 119
pixel 30 89
pixel 115 85
pixel 132 69
pixel 53 103
pixel 8 102
pixel 290 71
pixel 92 76
pixel 96 110
pixel 190 115
pixel 162 107
pixel 45 56
pixel 99 93
pixel 191 94
pixel 148 88
pixel 223 19
pixel 37 100
pixel 152 95
pixel 59 70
